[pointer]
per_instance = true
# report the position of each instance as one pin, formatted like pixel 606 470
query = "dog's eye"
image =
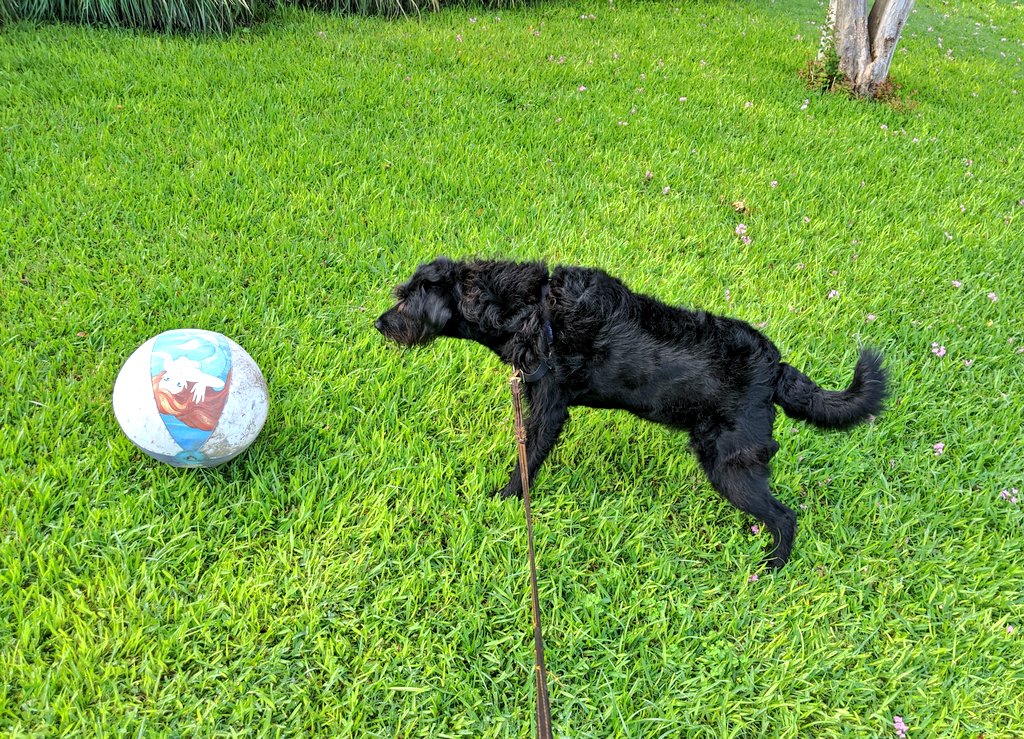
pixel 400 307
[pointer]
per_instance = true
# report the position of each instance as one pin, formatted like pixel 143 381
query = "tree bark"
pixel 864 42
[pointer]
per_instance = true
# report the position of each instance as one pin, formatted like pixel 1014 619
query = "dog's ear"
pixel 434 310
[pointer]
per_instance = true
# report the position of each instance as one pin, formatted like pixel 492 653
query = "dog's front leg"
pixel 548 412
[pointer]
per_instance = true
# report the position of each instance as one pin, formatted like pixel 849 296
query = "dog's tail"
pixel 800 397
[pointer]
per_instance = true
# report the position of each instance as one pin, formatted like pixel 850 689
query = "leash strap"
pixel 543 707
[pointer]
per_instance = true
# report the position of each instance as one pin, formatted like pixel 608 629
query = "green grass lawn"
pixel 350 575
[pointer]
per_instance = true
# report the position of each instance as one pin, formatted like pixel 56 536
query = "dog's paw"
pixel 509 491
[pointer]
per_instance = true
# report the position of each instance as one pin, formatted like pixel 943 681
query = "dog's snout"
pixel 378 325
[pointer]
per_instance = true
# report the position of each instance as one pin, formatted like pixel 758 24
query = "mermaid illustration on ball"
pixel 191 377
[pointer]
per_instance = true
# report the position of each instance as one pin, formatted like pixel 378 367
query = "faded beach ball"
pixel 191 398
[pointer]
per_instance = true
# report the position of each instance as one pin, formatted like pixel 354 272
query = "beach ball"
pixel 191 398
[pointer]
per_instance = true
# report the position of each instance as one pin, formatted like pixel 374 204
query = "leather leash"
pixel 543 707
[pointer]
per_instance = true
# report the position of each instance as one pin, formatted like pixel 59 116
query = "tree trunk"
pixel 863 42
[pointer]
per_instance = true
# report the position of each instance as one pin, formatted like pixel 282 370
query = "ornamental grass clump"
pixel 393 8
pixel 205 16
pixel 170 16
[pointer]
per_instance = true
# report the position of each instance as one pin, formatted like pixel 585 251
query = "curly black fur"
pixel 715 377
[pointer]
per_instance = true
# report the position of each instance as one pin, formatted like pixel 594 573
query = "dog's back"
pixel 626 350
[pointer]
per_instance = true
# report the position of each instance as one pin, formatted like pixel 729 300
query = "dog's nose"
pixel 378 325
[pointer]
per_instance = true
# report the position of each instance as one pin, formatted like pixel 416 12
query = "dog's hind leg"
pixel 740 474
pixel 547 415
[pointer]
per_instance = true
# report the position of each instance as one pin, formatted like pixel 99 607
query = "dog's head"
pixel 426 304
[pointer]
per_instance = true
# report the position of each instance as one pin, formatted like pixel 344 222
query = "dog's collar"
pixel 547 338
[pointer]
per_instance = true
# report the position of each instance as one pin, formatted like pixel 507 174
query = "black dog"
pixel 583 338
